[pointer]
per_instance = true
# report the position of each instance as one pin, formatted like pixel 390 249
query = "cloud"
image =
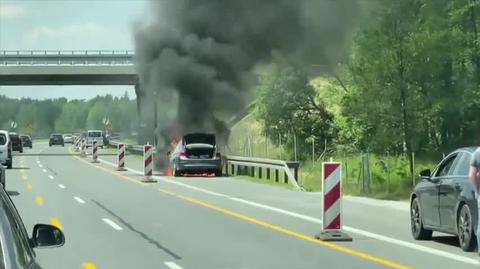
pixel 9 11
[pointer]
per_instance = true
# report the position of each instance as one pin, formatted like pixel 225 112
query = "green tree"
pixel 287 106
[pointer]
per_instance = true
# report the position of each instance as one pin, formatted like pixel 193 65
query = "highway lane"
pixel 199 223
pixel 387 221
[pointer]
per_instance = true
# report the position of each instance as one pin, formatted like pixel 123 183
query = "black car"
pixel 56 139
pixel 27 141
pixel 444 200
pixel 16 141
pixel 196 153
pixel 17 247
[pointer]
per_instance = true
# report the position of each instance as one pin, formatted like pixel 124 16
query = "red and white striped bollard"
pixel 82 148
pixel 148 163
pixel 121 157
pixel 332 220
pixel 94 152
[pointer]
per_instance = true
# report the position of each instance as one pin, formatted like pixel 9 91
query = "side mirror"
pixel 426 174
pixel 45 235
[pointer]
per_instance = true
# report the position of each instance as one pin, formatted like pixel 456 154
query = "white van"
pixel 5 149
pixel 95 135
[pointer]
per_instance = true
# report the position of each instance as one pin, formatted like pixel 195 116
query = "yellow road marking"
pixel 265 224
pixel 56 222
pixel 280 229
pixel 89 265
pixel 39 200
pixel 24 176
pixel 29 186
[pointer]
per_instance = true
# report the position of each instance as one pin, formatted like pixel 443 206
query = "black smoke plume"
pixel 195 58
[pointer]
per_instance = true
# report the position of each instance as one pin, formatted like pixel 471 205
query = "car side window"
pixel 444 168
pixel 462 165
pixel 20 237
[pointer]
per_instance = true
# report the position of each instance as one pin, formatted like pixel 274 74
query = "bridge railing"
pixel 72 57
pixel 65 52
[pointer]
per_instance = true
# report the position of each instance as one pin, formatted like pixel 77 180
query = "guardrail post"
pixel 252 171
pixel 260 172
pixel 276 175
pixel 233 169
pixel 268 173
pixel 285 177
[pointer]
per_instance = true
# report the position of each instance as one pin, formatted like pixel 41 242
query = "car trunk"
pixel 200 151
pixel 200 146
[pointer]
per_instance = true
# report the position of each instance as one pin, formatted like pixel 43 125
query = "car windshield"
pixel 264 134
pixel 95 134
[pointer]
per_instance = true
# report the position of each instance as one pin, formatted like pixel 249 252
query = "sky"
pixel 69 25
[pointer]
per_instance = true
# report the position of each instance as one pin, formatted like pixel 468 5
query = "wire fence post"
pixel 313 151
pixel 266 144
pixel 280 144
pixel 295 146
pixel 388 173
pixel 413 169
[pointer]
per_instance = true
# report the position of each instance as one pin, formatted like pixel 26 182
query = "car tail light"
pixel 183 153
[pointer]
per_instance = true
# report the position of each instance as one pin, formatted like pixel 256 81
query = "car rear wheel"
pixel 176 172
pixel 218 173
pixel 416 223
pixel 466 236
pixel 9 164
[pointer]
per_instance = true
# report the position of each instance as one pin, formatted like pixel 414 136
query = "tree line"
pixel 409 83
pixel 42 117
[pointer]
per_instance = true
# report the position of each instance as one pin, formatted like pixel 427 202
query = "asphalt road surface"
pixel 113 220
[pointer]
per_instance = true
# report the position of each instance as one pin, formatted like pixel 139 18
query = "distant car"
pixel 67 138
pixel 17 247
pixel 196 153
pixel 16 141
pixel 56 139
pixel 26 140
pixel 444 200
pixel 95 135
pixel 5 149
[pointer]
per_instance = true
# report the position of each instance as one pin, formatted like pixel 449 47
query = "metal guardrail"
pixel 131 148
pixel 237 165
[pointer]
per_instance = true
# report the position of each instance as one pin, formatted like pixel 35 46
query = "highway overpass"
pixel 19 68
pixel 63 68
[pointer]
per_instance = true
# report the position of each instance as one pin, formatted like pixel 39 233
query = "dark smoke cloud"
pixel 196 56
